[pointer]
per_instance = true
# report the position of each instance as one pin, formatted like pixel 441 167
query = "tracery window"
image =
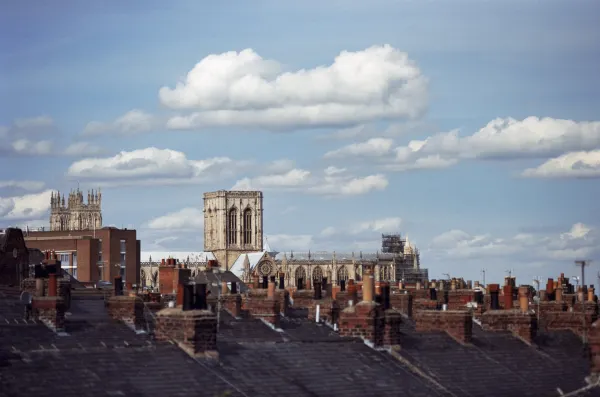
pixel 247 226
pixel 232 227
pixel 317 274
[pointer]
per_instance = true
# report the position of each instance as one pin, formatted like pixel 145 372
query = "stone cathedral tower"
pixel 233 224
pixel 73 213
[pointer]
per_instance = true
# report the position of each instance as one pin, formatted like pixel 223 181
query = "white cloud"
pixel 186 218
pixel 500 139
pixel 373 147
pixel 383 225
pixel 332 183
pixel 24 185
pixel 328 231
pixel 581 241
pixel 40 121
pixel 133 122
pixel 243 89
pixel 29 206
pixel 155 166
pixel 331 171
pixel 33 148
pixel 569 165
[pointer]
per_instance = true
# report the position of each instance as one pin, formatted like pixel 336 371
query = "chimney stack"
pixel 188 297
pixel 317 286
pixel 524 299
pixel 433 294
pixel 508 296
pixel 200 303
pixel 494 290
pixel 52 285
pixel 271 290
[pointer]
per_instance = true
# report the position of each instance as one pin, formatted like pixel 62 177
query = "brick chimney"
pixel 194 331
pixel 508 295
pixel 128 309
pixel 267 308
pixel 493 290
pixel 456 323
pixel 594 344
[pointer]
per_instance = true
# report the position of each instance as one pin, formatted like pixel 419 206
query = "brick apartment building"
pixel 92 255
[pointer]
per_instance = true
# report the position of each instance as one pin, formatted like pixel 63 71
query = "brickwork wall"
pixel 303 298
pixel 402 302
pixel 392 336
pixel 233 303
pixel 553 321
pixel 458 299
pixel 457 323
pixel 194 330
pixel 64 289
pixel 265 308
pixel 521 324
pixel 128 309
pixel 51 311
pixel 594 343
pixel 425 304
pixel 363 320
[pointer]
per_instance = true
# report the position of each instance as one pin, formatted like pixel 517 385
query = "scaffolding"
pixel 392 244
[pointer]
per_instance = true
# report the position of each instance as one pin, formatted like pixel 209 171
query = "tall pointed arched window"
pixel 248 226
pixel 232 227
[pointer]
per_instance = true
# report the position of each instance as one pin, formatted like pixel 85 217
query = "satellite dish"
pixel 15 253
pixel 26 298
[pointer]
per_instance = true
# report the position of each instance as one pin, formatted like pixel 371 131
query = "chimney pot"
pixel 591 293
pixel 233 287
pixel 368 287
pixel 418 286
pixel 318 292
pixel 224 289
pixel 265 282
pixel 433 294
pixel 342 285
pixel 524 299
pixel 558 296
pixel 281 281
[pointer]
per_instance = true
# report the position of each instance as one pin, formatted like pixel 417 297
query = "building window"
pixel 66 265
pixel 100 251
pixel 248 226
pixel 123 259
pixel 232 227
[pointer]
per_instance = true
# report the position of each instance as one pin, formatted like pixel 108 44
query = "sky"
pixel 472 127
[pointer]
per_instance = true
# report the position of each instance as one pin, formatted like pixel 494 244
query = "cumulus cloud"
pixel 133 122
pixel 373 147
pixel 153 166
pixel 500 139
pixel 580 241
pixel 569 165
pixel 23 185
pixel 244 89
pixel 186 218
pixel 333 182
pixel 29 206
pixel 34 122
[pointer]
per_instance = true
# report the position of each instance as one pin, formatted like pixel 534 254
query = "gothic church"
pixel 73 214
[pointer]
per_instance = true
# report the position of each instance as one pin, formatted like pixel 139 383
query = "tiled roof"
pixel 101 357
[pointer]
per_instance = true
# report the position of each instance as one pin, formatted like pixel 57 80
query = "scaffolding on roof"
pixel 392 244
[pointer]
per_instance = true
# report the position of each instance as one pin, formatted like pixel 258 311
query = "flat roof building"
pixel 93 255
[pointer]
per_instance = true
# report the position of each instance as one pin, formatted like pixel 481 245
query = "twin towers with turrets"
pixel 73 213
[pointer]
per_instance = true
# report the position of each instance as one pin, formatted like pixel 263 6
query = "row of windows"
pixel 246 227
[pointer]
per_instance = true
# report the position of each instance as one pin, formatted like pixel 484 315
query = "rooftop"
pixel 102 357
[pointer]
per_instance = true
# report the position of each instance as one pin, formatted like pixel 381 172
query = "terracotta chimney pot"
pixel 524 299
pixel 271 290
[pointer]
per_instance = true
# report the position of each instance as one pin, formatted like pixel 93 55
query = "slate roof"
pixel 100 357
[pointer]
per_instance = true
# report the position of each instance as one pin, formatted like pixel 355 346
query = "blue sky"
pixel 472 126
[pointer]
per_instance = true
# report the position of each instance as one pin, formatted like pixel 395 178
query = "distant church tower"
pixel 233 224
pixel 73 214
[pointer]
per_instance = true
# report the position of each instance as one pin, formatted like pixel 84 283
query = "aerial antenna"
pixel 583 264
pixel 483 272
